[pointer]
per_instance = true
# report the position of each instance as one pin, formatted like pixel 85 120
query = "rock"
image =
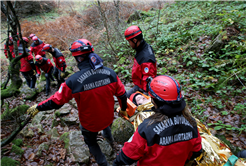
pixel 54 133
pixel 29 134
pixel 39 127
pixel 121 130
pixel 76 147
pixel 38 118
pixel 107 150
pixel 29 93
pixel 70 121
pixel 29 130
pixel 43 146
pixel 41 86
pixel 217 43
pixel 64 110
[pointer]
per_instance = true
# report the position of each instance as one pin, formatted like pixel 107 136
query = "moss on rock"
pixel 17 111
pixel 64 137
pixel 18 142
pixel 9 162
pixel 17 150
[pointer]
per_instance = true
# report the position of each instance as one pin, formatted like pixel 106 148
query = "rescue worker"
pixel 170 136
pixel 27 68
pixel 31 36
pixel 93 88
pixel 11 47
pixel 144 60
pixel 37 46
pixel 60 62
pixel 46 65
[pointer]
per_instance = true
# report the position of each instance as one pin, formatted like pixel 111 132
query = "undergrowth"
pixel 213 76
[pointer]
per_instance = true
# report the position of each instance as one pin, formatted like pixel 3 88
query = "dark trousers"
pixel 133 90
pixel 49 76
pixel 90 139
pixel 57 74
pixel 30 78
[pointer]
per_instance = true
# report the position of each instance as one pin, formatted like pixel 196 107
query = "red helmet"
pixel 38 58
pixel 25 39
pixel 166 89
pixel 46 47
pixel 31 36
pixel 81 46
pixel 133 97
pixel 35 38
pixel 132 32
pixel 11 38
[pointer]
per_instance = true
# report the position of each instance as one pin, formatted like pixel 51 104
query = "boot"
pixel 47 92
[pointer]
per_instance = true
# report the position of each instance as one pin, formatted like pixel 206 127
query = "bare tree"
pixel 103 16
pixel 14 67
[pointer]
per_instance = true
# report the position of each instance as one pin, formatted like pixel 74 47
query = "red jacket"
pixel 59 59
pixel 37 48
pixel 11 49
pixel 46 65
pixel 144 65
pixel 26 62
pixel 168 143
pixel 93 91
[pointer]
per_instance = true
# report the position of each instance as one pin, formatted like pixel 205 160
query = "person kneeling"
pixel 168 137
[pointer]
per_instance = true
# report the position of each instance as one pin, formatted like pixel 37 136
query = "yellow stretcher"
pixel 216 152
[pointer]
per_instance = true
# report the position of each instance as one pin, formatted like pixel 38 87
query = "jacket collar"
pixel 141 46
pixel 84 64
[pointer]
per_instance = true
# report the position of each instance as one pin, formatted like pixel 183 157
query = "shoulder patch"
pixel 93 59
pixel 146 69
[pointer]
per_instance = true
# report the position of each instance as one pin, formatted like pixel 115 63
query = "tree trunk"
pixel 14 67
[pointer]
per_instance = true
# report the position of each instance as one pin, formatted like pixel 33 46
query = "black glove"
pixel 148 80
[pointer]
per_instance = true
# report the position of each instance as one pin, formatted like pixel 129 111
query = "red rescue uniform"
pixel 37 48
pixel 27 63
pixel 93 91
pixel 46 66
pixel 144 65
pixel 168 143
pixel 59 59
pixel 11 48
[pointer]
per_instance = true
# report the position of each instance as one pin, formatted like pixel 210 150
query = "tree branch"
pixel 14 134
